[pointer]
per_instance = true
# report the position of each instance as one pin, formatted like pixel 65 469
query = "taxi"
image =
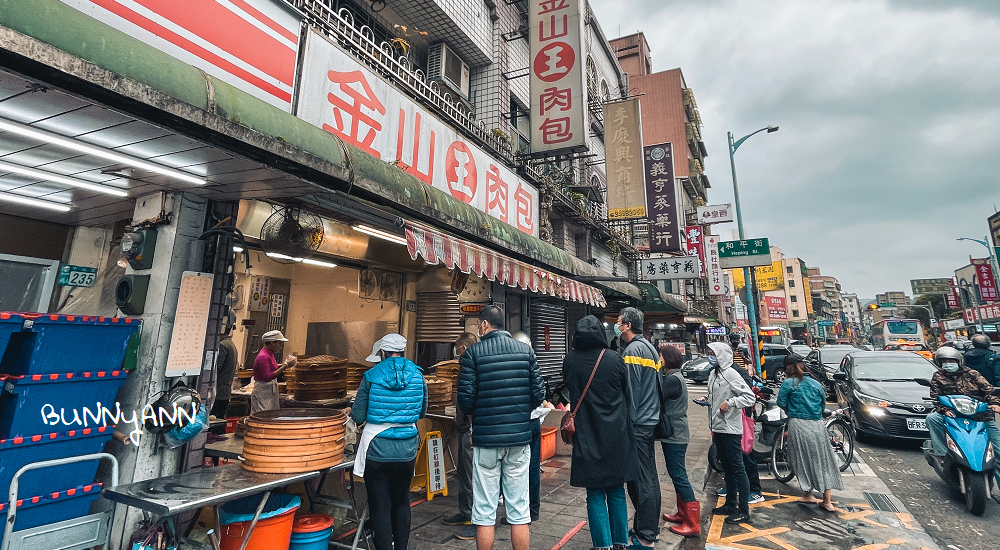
pixel 919 349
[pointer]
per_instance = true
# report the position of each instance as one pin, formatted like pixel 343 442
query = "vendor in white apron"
pixel 265 372
pixel 391 398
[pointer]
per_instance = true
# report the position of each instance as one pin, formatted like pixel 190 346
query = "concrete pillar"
pixel 177 250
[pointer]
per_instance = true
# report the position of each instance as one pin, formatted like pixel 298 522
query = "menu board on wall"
pixel 187 341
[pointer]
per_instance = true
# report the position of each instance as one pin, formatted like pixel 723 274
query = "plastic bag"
pixel 181 435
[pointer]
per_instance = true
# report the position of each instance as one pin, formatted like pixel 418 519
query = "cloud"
pixel 890 123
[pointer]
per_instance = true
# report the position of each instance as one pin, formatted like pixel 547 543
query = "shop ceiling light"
pixel 379 233
pixel 65 180
pixel 310 261
pixel 38 203
pixel 97 151
pixel 320 263
pixel 237 249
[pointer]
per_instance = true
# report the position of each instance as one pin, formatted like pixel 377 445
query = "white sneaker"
pixel 755 498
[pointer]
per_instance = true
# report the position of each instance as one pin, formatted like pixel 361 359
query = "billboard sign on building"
pixel 716 280
pixel 250 44
pixel 661 198
pixel 344 98
pixel 769 277
pixel 985 279
pixel 676 267
pixel 695 245
pixel 719 213
pixel 952 297
pixel 776 309
pixel 556 66
pixel 624 161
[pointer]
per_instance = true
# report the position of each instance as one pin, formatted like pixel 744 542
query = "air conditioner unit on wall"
pixel 446 66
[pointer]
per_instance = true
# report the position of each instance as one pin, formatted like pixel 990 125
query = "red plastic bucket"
pixel 270 533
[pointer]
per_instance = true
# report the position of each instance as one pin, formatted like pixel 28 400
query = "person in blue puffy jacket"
pixel 391 398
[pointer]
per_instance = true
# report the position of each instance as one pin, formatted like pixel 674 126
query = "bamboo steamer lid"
pixel 294 440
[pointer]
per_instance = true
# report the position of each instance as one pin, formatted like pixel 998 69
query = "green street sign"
pixel 746 253
pixel 887 305
pixel 931 286
pixel 74 275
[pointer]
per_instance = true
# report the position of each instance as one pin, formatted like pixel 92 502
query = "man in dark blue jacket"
pixel 498 386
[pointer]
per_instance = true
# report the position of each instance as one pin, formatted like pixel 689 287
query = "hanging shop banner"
pixel 695 245
pixel 984 277
pixel 250 44
pixel 436 247
pixel 776 309
pixel 661 199
pixel 983 313
pixel 952 296
pixel 558 90
pixel 344 98
pixel 624 162
pixel 719 213
pixel 769 277
pixel 677 267
pixel 716 280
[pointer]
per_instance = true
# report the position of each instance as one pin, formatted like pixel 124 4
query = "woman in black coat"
pixel 603 448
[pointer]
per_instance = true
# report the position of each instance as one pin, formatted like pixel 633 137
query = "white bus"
pixel 891 331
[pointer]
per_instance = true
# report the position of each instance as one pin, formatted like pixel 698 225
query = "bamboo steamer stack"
pixel 289 441
pixel 320 377
pixel 290 379
pixel 355 372
pixel 438 395
pixel 448 370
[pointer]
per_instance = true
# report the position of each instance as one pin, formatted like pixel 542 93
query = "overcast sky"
pixel 889 147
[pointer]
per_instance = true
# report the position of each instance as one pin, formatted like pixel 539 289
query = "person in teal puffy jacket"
pixel 391 398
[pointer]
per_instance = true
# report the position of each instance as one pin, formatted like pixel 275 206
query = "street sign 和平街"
pixel 719 213
pixel 74 275
pixel 931 286
pixel 746 253
pixel 678 267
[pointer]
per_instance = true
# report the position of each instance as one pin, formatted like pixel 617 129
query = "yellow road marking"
pixel 906 520
pixel 881 546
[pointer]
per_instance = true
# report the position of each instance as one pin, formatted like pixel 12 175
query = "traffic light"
pixel 873 306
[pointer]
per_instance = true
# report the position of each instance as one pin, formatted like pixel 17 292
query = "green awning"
pixel 659 303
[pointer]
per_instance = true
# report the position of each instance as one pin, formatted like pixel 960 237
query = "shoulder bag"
pixel 567 428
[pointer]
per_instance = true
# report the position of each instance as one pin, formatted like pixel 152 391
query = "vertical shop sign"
pixel 624 160
pixel 716 281
pixel 952 297
pixel 661 198
pixel 984 277
pixel 776 309
pixel 343 97
pixel 558 90
pixel 260 288
pixel 695 246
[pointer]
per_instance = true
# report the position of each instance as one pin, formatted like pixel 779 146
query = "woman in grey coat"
pixel 728 394
pixel 673 412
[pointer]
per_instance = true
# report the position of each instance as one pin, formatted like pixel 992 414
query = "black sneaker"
pixel 724 510
pixel 739 517
pixel 467 532
pixel 457 519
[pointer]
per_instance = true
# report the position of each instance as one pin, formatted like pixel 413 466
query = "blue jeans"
pixel 737 485
pixel 608 516
pixel 673 455
pixel 535 469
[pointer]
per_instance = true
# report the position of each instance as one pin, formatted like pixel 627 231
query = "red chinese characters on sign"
pixel 984 277
pixel 952 297
pixel 524 220
pixel 555 61
pixel 554 97
pixel 776 307
pixel 556 75
pixel 496 194
pixel 556 130
pixel 460 171
pixel 428 176
pixel 360 105
pixel 695 245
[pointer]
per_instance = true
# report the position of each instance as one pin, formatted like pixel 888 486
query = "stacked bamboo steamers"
pixel 289 441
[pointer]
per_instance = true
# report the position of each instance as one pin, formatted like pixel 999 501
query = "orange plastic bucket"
pixel 270 533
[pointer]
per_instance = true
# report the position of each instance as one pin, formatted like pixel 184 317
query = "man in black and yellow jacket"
pixel 643 365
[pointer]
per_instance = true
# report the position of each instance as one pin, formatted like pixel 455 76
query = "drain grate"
pixel 880 502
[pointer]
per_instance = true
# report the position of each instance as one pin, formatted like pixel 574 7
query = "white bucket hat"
pixel 390 342
pixel 273 336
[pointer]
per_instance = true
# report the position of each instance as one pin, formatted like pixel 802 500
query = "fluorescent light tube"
pixel 380 234
pixel 9 197
pixel 320 263
pixel 310 261
pixel 65 180
pixel 97 151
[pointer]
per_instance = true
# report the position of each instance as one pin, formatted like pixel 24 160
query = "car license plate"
pixel 916 424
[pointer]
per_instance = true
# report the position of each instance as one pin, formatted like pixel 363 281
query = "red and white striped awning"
pixel 438 248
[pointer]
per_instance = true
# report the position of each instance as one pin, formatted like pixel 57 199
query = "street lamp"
pixel 994 264
pixel 751 306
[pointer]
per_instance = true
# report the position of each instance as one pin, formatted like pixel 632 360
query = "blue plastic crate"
pixel 28 403
pixel 52 343
pixel 19 451
pixel 52 507
pixel 9 324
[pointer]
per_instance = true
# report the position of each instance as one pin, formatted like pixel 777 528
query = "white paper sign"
pixel 716 280
pixel 677 267
pixel 344 98
pixel 436 478
pixel 187 341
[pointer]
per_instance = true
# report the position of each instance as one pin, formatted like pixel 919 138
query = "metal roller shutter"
pixel 439 318
pixel 550 360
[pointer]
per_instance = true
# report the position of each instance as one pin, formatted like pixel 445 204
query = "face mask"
pixel 713 360
pixel 618 330
pixel 950 368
